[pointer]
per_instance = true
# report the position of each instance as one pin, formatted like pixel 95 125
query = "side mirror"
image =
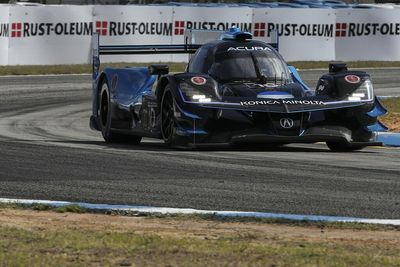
pixel 337 67
pixel 158 69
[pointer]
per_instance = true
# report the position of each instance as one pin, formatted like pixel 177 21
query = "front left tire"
pixel 106 120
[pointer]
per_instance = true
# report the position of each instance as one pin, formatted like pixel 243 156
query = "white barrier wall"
pixel 304 34
pixel 208 18
pixel 37 35
pixel 49 35
pixel 134 25
pixel 368 34
pixel 4 33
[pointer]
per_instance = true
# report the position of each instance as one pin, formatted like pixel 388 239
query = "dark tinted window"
pixel 245 65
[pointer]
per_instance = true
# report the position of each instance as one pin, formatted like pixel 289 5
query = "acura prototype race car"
pixel 235 90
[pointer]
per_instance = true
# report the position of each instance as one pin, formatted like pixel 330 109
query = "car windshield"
pixel 263 66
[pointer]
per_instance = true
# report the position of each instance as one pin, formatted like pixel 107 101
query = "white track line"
pixel 387 96
pixel 162 210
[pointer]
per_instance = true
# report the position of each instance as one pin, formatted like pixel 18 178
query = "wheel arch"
pixel 103 78
pixel 96 92
pixel 162 84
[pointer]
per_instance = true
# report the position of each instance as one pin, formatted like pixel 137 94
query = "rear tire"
pixel 342 147
pixel 105 117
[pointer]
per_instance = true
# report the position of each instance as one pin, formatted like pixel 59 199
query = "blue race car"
pixel 235 90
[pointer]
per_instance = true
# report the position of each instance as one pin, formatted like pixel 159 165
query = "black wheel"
pixel 105 118
pixel 342 147
pixel 168 123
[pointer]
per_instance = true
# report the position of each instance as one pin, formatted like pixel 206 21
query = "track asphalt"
pixel 49 152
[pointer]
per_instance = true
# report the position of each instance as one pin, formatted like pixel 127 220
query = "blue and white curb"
pixel 388 138
pixel 163 210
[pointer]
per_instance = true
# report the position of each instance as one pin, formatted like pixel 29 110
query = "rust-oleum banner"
pixel 49 34
pixel 304 33
pixel 4 34
pixel 37 35
pixel 209 19
pixel 368 34
pixel 129 25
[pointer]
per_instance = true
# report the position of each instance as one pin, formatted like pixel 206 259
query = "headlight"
pixel 194 95
pixel 364 93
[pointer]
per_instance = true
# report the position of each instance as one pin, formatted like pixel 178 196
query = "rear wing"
pixel 193 39
pixel 98 50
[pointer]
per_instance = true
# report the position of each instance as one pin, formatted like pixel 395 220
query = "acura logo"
pixel 286 123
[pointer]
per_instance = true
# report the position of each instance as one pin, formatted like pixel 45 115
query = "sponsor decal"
pixel 181 25
pixel 295 29
pixel 114 28
pixel 260 102
pixel 259 29
pixel 367 29
pixel 262 29
pixel 197 80
pixel 302 102
pixel 16 29
pixel 179 28
pixel 101 27
pixel 286 123
pixel 352 79
pixel 341 29
pixel 20 29
pixel 321 88
pixel 104 28
pixel 280 102
pixel 140 28
pixel 4 29
pixel 252 48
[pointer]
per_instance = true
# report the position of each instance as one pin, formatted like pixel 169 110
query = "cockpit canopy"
pixel 229 61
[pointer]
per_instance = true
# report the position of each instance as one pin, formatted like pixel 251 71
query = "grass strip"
pixel 350 64
pixel 174 67
pixel 87 248
pixel 76 69
pixel 43 238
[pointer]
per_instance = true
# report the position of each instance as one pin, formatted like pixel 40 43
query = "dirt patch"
pixel 392 121
pixel 35 220
pixel 392 118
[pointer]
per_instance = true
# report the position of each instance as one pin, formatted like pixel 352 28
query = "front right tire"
pixel 342 147
pixel 167 115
